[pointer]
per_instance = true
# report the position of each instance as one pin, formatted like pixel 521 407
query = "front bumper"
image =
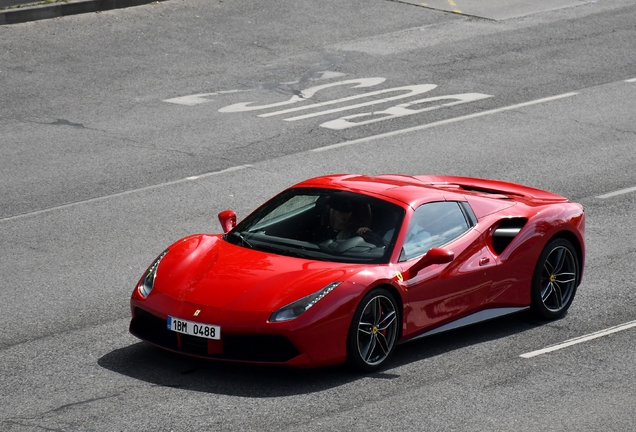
pixel 258 348
pixel 317 338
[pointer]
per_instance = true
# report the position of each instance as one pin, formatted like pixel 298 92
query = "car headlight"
pixel 295 309
pixel 148 281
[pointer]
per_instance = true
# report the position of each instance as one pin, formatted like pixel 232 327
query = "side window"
pixel 433 225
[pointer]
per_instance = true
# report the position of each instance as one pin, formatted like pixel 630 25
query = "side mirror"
pixel 228 220
pixel 433 256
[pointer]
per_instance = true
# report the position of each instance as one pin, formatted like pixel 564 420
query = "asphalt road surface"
pixel 125 130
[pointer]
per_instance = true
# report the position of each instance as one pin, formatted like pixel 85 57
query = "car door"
pixel 441 293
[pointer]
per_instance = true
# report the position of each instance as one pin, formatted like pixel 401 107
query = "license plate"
pixel 194 328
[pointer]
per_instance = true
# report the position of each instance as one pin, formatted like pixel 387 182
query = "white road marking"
pixel 197 99
pixel 580 339
pixel 402 110
pixel 618 192
pixel 200 98
pixel 128 192
pixel 443 122
pixel 413 90
pixel 304 95
pixel 631 80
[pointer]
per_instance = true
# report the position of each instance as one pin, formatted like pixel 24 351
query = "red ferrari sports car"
pixel 345 267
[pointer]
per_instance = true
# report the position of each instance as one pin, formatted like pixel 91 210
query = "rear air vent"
pixel 492 193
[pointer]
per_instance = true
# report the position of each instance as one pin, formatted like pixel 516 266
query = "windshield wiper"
pixel 284 251
pixel 244 241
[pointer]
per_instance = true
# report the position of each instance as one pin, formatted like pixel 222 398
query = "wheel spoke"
pixel 558 295
pixel 547 267
pixel 365 328
pixel 387 321
pixel 377 311
pixel 369 349
pixel 571 278
pixel 547 292
pixel 560 261
pixel 383 343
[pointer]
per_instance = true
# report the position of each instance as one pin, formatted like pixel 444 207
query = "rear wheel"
pixel 374 331
pixel 555 279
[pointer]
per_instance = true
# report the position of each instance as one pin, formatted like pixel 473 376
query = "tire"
pixel 374 331
pixel 555 280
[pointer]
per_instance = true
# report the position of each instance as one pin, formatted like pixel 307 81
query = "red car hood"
pixel 208 271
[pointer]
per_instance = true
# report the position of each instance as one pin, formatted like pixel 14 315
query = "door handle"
pixel 483 261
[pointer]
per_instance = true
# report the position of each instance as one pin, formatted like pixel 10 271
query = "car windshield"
pixel 322 224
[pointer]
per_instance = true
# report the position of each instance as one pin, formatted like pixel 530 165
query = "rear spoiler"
pixel 497 187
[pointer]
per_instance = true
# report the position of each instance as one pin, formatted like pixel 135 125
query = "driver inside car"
pixel 340 220
pixel 347 219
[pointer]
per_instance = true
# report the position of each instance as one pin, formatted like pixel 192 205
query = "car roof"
pixel 415 190
pixel 401 188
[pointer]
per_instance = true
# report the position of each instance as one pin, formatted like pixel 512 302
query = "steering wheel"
pixel 348 244
pixel 326 246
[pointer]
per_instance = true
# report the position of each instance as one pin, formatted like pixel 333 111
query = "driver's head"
pixel 340 212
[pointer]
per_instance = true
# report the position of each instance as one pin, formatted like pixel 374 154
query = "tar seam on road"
pixel 321 149
pixel 580 339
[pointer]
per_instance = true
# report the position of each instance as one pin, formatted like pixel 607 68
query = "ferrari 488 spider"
pixel 345 267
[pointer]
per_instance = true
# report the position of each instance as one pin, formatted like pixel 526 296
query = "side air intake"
pixel 505 232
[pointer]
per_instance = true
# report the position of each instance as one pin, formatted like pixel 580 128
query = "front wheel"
pixel 555 279
pixel 374 331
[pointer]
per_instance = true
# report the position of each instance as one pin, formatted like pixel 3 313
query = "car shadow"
pixel 442 343
pixel 148 363
pixel 145 362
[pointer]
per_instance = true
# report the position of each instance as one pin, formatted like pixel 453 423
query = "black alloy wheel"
pixel 374 331
pixel 555 279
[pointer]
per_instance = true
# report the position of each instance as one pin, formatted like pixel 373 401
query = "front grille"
pixel 153 329
pixel 194 345
pixel 241 347
pixel 261 348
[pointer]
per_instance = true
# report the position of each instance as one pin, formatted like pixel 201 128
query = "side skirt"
pixel 475 318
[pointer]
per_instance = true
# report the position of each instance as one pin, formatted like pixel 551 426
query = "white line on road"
pixel 580 339
pixel 444 122
pixel 128 192
pixel 618 192
pixel 631 80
